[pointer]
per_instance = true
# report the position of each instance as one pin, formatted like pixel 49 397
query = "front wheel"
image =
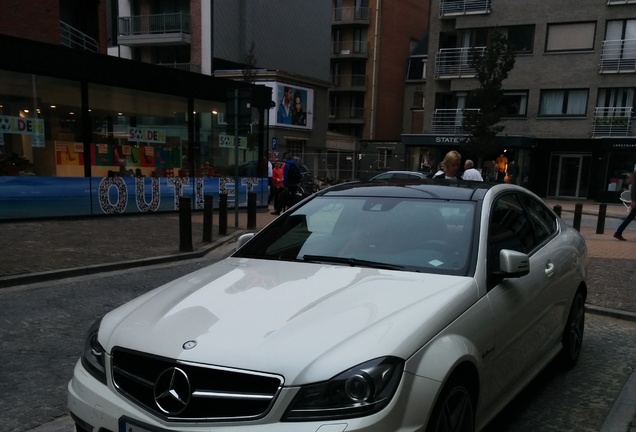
pixel 453 411
pixel 573 333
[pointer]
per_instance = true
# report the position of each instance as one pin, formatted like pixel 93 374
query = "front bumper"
pixel 102 407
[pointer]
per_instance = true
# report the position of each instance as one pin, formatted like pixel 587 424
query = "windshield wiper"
pixel 353 262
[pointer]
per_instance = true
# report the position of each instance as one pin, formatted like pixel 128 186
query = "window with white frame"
pixel 570 36
pixel 563 102
pixel 515 103
pixel 416 68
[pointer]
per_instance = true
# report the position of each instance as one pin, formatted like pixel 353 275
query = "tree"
pixel 249 71
pixel 492 68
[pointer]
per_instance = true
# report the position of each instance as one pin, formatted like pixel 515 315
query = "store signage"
pixel 24 126
pixel 146 135
pixel 227 141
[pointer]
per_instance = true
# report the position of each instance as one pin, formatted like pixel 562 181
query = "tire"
pixel 454 411
pixel 572 339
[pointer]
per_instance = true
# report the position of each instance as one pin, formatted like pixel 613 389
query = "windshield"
pixel 425 235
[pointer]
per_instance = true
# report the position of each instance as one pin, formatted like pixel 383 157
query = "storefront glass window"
pixel 37 116
pixel 215 146
pixel 137 133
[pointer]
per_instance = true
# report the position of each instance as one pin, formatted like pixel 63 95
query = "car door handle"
pixel 549 269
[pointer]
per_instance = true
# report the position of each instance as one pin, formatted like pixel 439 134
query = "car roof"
pixel 424 188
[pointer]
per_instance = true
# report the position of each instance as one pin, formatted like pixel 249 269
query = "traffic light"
pixel 240 119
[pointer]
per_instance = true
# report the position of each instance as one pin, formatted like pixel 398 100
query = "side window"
pixel 543 221
pixel 510 227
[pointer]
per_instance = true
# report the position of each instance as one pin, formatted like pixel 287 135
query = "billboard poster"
pixel 294 106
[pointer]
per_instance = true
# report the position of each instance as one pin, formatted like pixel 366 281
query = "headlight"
pixel 360 391
pixel 93 354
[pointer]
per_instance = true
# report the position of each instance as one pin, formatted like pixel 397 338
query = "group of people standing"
pixel 284 184
pixel 449 168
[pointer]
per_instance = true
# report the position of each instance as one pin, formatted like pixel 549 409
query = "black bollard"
pixel 600 224
pixel 557 209
pixel 578 211
pixel 185 225
pixel 251 210
pixel 208 206
pixel 223 214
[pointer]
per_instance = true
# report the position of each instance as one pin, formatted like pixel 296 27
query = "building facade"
pixel 282 44
pixel 569 99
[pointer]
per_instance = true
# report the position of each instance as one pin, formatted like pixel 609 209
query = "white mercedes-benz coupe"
pixel 378 307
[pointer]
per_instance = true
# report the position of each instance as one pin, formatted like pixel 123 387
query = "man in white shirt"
pixel 470 173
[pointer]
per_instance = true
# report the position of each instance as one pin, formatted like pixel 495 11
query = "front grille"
pixel 207 393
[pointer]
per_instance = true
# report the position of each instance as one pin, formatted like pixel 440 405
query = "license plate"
pixel 126 425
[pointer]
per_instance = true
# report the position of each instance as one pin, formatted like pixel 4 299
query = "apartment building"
pixel 76 24
pixel 370 43
pixel 569 98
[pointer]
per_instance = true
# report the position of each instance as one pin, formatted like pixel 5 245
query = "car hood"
pixel 304 321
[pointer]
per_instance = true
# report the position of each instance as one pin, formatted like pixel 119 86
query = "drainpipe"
pixel 374 70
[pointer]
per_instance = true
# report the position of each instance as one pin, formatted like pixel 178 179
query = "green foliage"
pixel 491 68
pixel 249 72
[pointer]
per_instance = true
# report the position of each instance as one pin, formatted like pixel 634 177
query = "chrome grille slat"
pixel 214 393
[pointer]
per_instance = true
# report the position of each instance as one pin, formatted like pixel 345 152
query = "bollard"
pixel 251 210
pixel 223 214
pixel 578 211
pixel 185 225
pixel 600 224
pixel 208 206
pixel 557 209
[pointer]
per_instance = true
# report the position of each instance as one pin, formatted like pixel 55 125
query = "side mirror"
pixel 513 263
pixel 243 239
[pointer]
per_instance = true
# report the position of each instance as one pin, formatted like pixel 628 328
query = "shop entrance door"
pixel 569 175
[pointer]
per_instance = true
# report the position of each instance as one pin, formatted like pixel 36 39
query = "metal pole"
pixel 578 212
pixel 208 205
pixel 185 225
pixel 600 224
pixel 236 158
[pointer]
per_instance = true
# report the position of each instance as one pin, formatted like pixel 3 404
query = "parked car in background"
pixel 399 175
pixel 368 307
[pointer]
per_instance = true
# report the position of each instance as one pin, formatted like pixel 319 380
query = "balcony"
pixel 354 82
pixel 449 121
pixel 612 122
pixel 346 115
pixel 456 62
pixel 188 67
pixel 463 7
pixel 73 38
pixel 351 15
pixel 161 29
pixel 350 49
pixel 618 56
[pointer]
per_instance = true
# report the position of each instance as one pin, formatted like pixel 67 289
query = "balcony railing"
pixel 449 121
pixel 188 67
pixel 160 29
pixel 73 38
pixel 355 114
pixel 612 121
pixel 349 82
pixel 349 15
pixel 463 7
pixel 350 49
pixel 618 56
pixel 456 62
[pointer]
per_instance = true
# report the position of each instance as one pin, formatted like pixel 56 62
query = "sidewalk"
pixel 36 251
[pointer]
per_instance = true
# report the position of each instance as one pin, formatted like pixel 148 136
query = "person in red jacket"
pixel 277 185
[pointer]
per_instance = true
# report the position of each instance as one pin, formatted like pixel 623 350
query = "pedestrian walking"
pixel 632 213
